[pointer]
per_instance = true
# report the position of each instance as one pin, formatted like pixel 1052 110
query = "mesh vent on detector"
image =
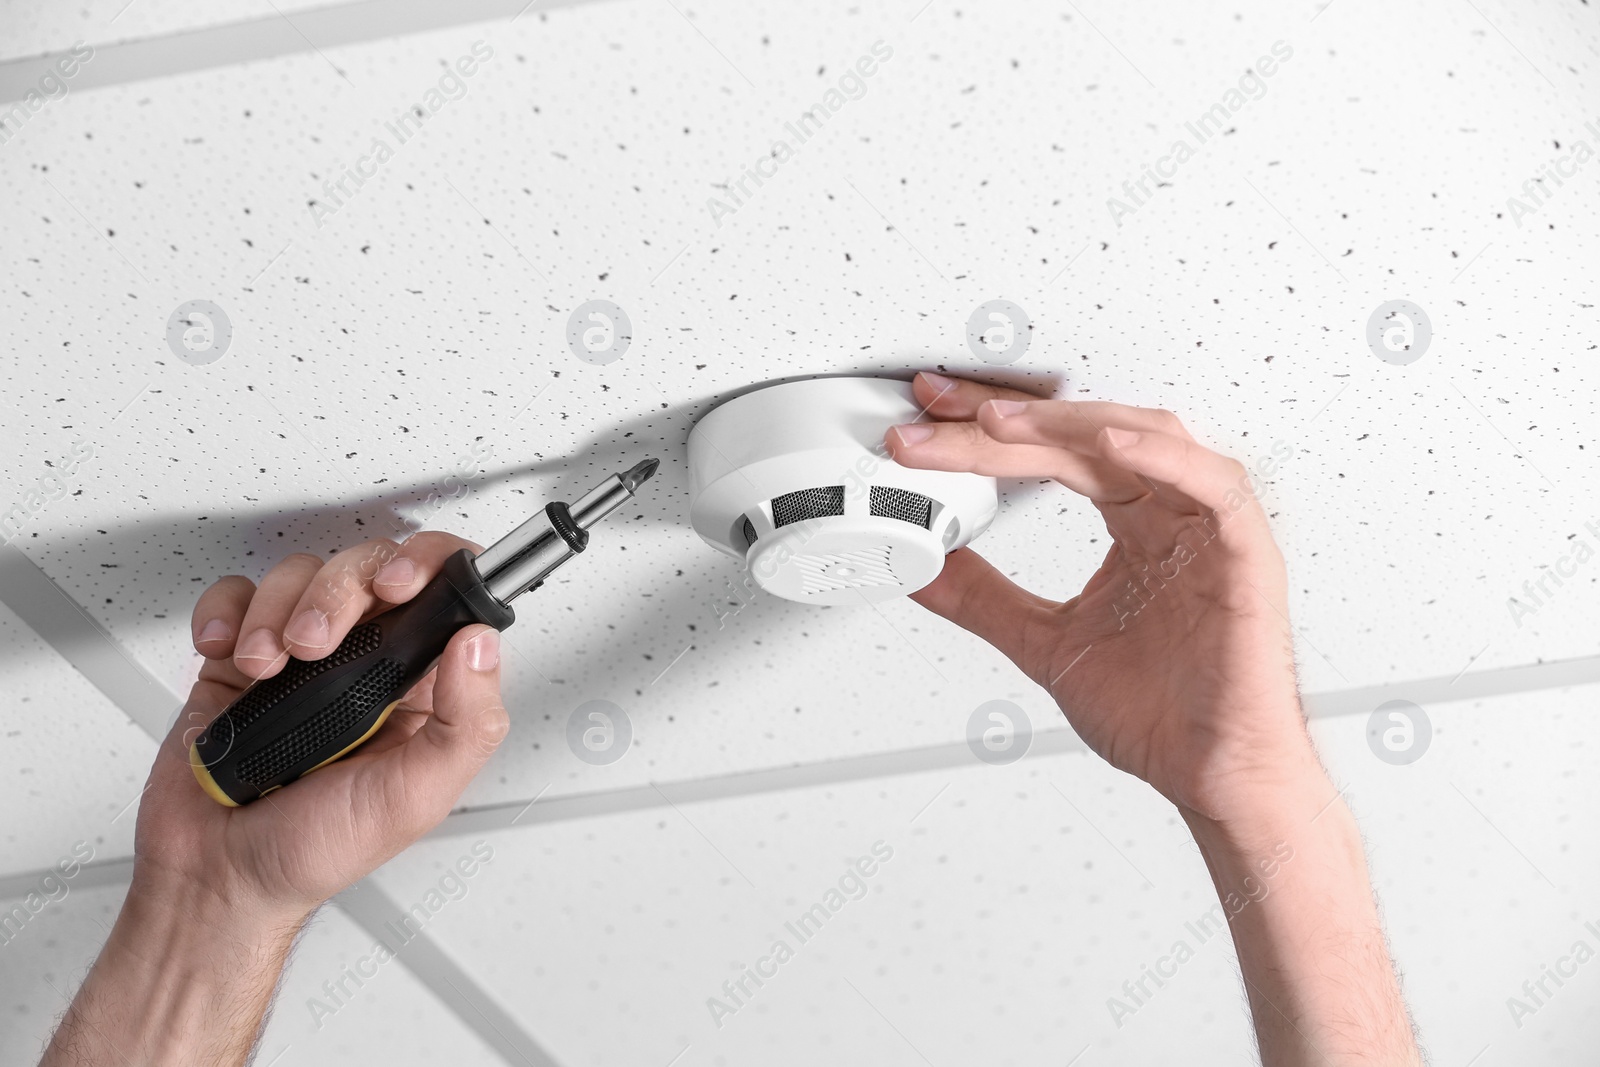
pixel 901 504
pixel 749 532
pixel 807 504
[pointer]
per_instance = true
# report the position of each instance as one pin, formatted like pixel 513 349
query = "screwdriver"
pixel 316 711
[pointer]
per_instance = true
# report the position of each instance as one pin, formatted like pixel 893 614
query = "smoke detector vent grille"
pixel 901 504
pixel 826 572
pixel 749 531
pixel 807 504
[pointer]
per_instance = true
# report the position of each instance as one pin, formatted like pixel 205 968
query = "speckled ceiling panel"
pixel 72 765
pixel 381 332
pixel 1015 902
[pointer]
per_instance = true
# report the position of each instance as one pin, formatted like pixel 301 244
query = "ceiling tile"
pixel 427 314
pixel 72 765
pixel 1013 905
pixel 391 1018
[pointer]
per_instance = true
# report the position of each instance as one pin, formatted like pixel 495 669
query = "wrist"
pixel 218 879
pixel 1265 782
pixel 1291 875
pixel 184 978
pixel 1255 816
pixel 186 911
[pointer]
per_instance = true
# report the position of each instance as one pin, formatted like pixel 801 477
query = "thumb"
pixel 975 596
pixel 468 723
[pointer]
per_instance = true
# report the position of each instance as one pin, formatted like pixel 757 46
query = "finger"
pixel 420 696
pixel 375 574
pixel 206 698
pixel 338 594
pixel 224 671
pixel 1187 475
pixel 414 566
pixel 408 715
pixel 260 652
pixel 958 398
pixel 1074 427
pixel 214 623
pixel 975 596
pixel 396 730
pixel 468 723
pixel 965 446
pixel 1071 424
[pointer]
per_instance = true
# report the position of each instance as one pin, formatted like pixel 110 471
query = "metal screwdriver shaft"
pixel 523 558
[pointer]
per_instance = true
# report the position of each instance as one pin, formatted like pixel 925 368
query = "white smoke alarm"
pixel 795 480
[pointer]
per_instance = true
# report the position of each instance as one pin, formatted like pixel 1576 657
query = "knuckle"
pixel 429 544
pixel 335 589
pixel 1169 421
pixel 968 434
pixel 224 597
pixel 380 548
pixel 494 724
pixel 373 555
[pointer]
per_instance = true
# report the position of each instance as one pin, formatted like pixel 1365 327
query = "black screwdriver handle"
pixel 315 711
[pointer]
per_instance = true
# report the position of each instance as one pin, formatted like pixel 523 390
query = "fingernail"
pixel 483 651
pixel 310 627
pixel 215 630
pixel 1121 438
pixel 913 433
pixel 396 572
pixel 938 381
pixel 1006 408
pixel 260 645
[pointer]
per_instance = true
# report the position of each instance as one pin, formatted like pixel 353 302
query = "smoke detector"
pixel 794 480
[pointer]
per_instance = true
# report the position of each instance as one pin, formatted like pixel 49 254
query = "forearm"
pixel 1311 949
pixel 185 978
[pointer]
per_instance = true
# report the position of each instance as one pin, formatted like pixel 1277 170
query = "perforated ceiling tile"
pixel 70 760
pixel 1483 836
pixel 380 332
pixel 620 976
pixel 1015 902
pixel 389 1018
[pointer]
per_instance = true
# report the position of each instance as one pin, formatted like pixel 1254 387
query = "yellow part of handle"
pixel 209 784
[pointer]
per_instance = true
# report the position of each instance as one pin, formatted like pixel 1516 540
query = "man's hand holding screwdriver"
pixel 219 893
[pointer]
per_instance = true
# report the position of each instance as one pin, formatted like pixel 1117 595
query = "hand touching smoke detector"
pixel 1175 663
pixel 794 479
